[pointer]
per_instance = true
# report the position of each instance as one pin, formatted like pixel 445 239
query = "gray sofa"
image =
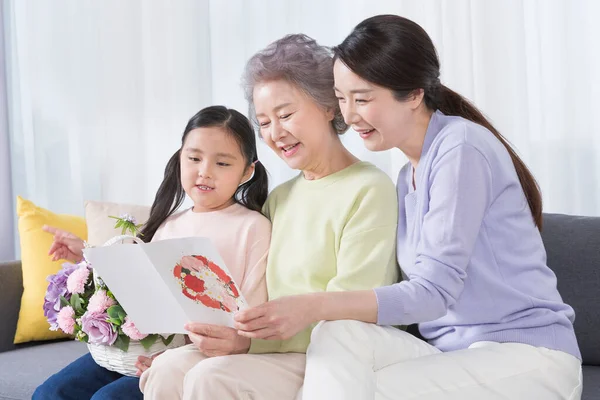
pixel 572 243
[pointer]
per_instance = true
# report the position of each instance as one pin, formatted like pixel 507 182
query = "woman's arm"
pixel 460 192
pixel 360 305
pixel 283 318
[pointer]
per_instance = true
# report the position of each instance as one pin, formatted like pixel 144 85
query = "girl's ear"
pixel 248 174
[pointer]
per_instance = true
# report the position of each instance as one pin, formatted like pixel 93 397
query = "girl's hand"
pixel 278 319
pixel 214 340
pixel 65 246
pixel 143 363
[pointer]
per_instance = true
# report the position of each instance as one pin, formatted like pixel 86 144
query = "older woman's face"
pixel 292 124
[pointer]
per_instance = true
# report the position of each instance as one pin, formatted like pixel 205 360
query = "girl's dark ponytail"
pixel 169 197
pixel 253 193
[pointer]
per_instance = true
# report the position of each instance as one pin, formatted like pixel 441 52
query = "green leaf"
pixel 122 342
pixel 77 303
pixel 113 217
pixel 64 302
pixel 148 341
pixel 116 312
pixel 89 291
pixel 119 224
pixel 114 321
pixel 168 340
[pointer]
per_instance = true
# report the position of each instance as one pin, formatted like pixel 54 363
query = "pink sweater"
pixel 241 236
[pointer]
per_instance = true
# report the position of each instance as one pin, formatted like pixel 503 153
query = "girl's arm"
pixel 254 285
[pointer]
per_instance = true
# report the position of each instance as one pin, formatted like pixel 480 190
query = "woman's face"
pixel 292 124
pixel 372 111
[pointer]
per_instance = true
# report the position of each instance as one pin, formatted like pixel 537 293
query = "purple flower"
pixel 128 218
pixel 98 329
pixel 57 287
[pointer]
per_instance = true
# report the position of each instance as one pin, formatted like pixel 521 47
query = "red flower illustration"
pixel 188 272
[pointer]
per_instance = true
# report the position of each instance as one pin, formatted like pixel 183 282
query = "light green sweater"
pixel 331 234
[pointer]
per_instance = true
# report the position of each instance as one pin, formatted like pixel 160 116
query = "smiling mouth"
pixel 290 150
pixel 366 134
pixel 204 188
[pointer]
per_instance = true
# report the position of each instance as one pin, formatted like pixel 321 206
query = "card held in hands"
pixel 165 284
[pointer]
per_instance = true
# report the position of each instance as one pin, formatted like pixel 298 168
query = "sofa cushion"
pixel 11 290
pixel 23 370
pixel 101 227
pixel 573 247
pixel 37 265
pixel 591 383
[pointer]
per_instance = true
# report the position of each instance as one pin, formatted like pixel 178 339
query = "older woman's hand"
pixel 278 319
pixel 214 340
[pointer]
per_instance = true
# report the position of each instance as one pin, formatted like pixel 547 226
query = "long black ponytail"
pixel 396 53
pixel 170 195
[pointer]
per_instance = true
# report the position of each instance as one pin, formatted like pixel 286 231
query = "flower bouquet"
pixel 79 303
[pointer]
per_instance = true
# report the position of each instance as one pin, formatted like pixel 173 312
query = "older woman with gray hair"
pixel 333 229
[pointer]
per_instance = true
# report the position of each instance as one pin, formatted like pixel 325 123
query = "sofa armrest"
pixel 11 290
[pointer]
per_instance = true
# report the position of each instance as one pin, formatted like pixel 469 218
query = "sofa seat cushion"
pixel 24 369
pixel 591 383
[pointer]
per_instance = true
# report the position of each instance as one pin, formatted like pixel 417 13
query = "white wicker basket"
pixel 117 360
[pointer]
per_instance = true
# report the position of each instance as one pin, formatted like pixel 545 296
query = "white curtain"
pixel 6 225
pixel 100 91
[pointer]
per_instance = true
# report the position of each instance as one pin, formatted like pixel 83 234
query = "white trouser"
pixel 356 360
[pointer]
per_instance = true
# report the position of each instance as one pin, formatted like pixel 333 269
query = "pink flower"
pixel 130 330
pixel 65 320
pixel 99 302
pixel 98 329
pixel 77 280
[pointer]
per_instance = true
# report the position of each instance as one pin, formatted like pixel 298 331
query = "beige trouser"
pixel 185 373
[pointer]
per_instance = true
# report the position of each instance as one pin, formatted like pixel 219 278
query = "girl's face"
pixel 212 168
pixel 373 112
pixel 292 124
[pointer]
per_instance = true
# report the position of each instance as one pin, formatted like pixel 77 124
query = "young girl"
pixel 468 241
pixel 216 167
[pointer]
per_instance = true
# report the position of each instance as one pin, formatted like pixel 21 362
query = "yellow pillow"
pixel 37 265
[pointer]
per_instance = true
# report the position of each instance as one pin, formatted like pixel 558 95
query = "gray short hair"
pixel 301 61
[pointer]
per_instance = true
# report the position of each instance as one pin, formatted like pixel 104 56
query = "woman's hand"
pixel 278 319
pixel 65 246
pixel 143 363
pixel 214 340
